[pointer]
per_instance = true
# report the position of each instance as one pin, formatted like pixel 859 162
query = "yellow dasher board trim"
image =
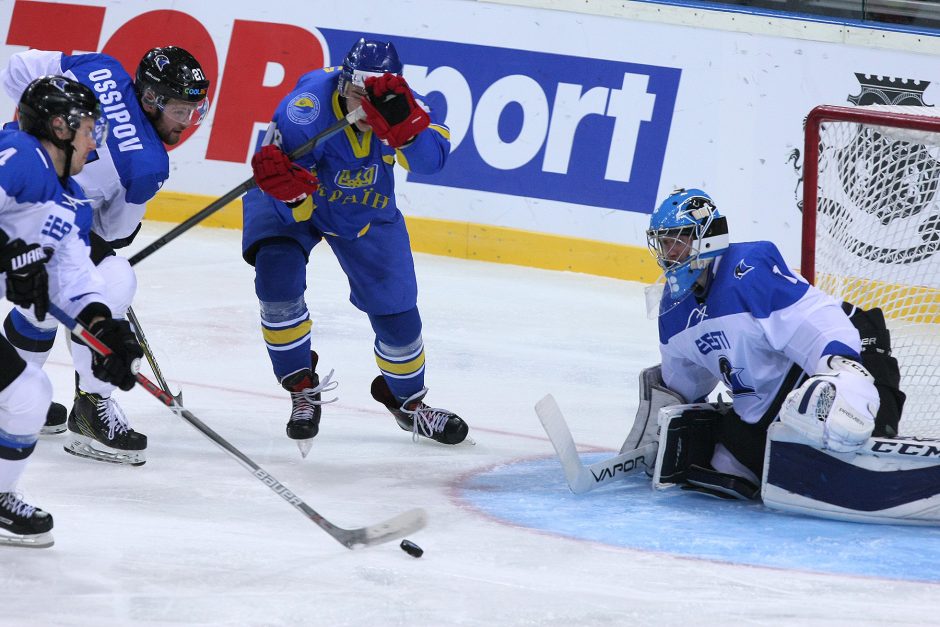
pixel 466 240
pixel 910 303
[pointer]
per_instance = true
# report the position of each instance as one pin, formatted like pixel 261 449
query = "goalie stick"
pixel 351 118
pixel 583 478
pixel 391 529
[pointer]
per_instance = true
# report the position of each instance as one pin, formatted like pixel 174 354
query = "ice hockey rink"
pixel 193 538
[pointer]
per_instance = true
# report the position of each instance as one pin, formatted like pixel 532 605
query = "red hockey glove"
pixel 391 110
pixel 280 177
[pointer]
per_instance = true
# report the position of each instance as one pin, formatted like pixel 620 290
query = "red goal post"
pixel 871 232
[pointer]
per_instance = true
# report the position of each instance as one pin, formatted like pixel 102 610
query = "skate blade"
pixel 52 429
pixel 83 446
pixel 304 446
pixel 34 541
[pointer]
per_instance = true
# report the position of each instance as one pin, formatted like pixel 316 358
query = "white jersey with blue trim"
pixel 36 208
pixel 124 174
pixel 758 319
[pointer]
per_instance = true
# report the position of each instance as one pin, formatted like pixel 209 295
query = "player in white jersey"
pixel 167 96
pixel 44 254
pixel 734 313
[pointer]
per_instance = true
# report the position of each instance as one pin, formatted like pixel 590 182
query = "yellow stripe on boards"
pixel 465 240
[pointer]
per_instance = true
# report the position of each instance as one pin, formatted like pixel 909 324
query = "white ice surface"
pixel 192 538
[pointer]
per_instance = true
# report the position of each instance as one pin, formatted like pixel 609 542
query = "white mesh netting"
pixel 878 238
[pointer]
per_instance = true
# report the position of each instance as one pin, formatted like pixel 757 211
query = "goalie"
pixel 736 314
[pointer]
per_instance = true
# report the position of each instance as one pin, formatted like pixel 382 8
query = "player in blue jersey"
pixel 44 253
pixel 343 191
pixel 166 97
pixel 734 313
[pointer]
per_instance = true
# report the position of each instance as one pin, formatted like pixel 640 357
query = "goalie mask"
pixel 686 233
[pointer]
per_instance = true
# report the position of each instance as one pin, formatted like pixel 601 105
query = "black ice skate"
pixel 305 393
pixel 98 430
pixel 413 415
pixel 56 418
pixel 22 524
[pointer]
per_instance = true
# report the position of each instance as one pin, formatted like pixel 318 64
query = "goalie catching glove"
pixel 391 110
pixel 835 407
pixel 278 176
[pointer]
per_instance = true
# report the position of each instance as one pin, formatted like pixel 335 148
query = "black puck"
pixel 411 548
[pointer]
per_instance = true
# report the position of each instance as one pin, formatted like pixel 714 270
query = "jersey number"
pixel 6 154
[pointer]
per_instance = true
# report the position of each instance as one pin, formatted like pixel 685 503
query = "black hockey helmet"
pixel 171 72
pixel 50 97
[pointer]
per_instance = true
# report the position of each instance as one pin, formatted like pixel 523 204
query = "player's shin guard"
pixel 32 339
pixel 286 330
pixel 402 366
pixel 23 406
pixel 399 351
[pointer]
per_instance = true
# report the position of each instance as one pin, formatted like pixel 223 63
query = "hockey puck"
pixel 411 548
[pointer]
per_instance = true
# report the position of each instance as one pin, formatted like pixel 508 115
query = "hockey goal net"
pixel 871 233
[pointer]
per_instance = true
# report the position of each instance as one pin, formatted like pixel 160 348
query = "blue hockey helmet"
pixel 686 232
pixel 368 57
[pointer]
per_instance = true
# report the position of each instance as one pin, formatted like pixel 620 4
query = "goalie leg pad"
pixel 865 487
pixel 654 395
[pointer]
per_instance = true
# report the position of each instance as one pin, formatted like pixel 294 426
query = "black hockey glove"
pixel 25 268
pixel 122 365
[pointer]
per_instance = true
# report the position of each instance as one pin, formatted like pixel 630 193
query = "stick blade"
pixel 553 421
pixel 392 529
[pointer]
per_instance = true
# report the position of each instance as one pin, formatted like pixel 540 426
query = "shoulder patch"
pixel 741 269
pixel 303 108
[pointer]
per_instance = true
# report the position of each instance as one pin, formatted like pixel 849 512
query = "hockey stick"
pixel 583 478
pixel 351 118
pixel 142 339
pixel 391 529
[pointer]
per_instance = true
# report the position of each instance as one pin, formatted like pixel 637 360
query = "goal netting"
pixel 871 233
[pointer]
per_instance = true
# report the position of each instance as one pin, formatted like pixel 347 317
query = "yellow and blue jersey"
pixel 357 186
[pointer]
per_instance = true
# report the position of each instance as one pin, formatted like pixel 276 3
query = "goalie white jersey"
pixel 758 319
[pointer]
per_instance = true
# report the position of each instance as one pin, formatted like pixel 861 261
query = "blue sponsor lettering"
pixel 572 129
pixel 714 340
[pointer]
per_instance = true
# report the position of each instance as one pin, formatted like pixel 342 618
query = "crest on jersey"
pixel 303 108
pixel 732 378
pixel 741 269
pixel 161 60
pixel 354 179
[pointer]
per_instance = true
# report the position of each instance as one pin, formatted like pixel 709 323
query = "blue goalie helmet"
pixel 368 58
pixel 686 232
